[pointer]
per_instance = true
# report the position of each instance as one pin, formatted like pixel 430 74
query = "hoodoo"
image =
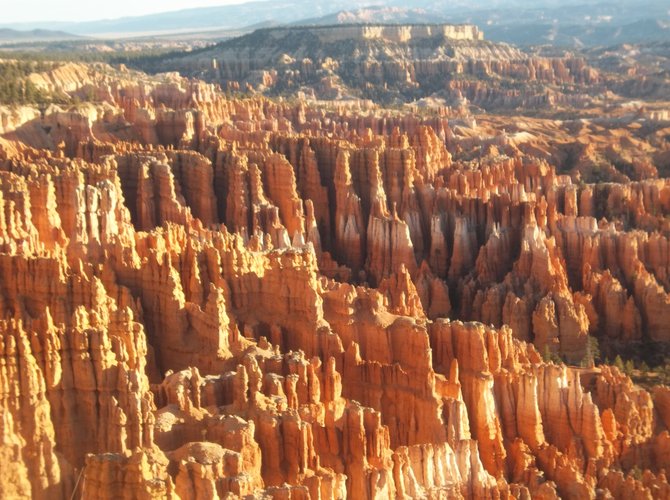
pixel 214 296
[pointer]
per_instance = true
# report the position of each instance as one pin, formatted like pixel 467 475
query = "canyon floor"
pixel 210 292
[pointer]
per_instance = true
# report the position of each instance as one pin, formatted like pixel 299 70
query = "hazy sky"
pixel 19 11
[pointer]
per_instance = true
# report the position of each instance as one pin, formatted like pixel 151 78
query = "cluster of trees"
pixel 16 88
pixel 629 366
pixel 642 373
pixel 73 52
pixel 21 92
pixel 646 363
pixel 592 356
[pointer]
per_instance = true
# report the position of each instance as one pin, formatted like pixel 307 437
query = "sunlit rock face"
pixel 203 298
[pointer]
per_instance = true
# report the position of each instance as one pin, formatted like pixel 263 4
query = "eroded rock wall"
pixel 256 298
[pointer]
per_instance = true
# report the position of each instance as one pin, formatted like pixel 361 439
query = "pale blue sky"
pixel 20 11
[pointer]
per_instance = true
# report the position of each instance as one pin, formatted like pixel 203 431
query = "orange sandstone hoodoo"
pixel 203 298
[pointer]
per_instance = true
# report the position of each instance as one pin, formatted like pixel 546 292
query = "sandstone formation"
pixel 389 63
pixel 205 297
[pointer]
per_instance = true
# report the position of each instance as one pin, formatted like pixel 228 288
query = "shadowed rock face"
pixel 203 297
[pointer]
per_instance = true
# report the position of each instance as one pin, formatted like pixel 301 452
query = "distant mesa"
pixel 395 33
pixel 385 63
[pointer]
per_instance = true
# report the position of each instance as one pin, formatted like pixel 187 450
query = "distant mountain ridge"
pixel 375 15
pixel 8 35
pixel 576 25
pixel 224 17
pixel 522 22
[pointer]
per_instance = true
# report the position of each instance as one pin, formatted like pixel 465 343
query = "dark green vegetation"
pixel 647 363
pixel 16 88
pixel 81 52
pixel 592 356
pixel 16 65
